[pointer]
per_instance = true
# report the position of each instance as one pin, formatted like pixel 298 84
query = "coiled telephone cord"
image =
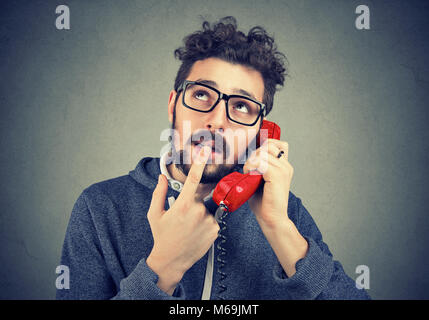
pixel 222 254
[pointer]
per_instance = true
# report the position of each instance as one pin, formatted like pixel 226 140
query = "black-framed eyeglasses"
pixel 204 98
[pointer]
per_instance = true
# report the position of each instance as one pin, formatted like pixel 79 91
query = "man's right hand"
pixel 182 234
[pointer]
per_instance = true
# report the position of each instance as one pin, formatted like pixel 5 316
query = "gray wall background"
pixel 83 105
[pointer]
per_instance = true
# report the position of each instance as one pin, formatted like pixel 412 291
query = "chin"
pixel 212 173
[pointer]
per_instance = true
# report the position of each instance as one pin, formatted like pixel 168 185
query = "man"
pixel 148 235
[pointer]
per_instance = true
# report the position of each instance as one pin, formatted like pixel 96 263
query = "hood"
pixel 147 172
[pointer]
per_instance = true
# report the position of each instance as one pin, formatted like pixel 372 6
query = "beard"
pixel 212 173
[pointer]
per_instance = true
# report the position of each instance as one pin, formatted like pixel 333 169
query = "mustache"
pixel 210 138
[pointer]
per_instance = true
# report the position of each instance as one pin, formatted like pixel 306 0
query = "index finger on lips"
pixel 195 173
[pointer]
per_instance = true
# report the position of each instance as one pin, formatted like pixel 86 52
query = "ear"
pixel 171 99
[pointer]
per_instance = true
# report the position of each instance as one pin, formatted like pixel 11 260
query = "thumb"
pixel 158 196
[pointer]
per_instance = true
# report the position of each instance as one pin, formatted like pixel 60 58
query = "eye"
pixel 241 107
pixel 201 93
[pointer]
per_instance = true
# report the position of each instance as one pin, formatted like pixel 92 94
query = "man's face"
pixel 190 125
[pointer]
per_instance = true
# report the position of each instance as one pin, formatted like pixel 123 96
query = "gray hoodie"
pixel 109 238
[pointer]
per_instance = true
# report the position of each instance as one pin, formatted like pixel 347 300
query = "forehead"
pixel 228 76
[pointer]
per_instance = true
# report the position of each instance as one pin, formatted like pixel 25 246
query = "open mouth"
pixel 200 144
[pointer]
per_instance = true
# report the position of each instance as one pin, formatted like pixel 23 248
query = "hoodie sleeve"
pixel 317 275
pixel 89 277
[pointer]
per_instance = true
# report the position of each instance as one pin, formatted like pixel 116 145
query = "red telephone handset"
pixel 236 188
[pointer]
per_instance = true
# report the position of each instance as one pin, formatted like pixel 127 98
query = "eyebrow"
pixel 235 90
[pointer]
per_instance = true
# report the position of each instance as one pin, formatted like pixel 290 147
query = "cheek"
pixel 183 131
pixel 189 122
pixel 238 143
pixel 240 146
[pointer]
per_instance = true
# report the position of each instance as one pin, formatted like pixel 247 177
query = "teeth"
pixel 201 145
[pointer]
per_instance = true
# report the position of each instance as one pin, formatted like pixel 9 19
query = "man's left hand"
pixel 270 202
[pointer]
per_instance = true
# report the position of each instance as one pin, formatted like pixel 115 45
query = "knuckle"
pixel 150 213
pixel 181 219
pixel 200 210
pixel 196 210
pixel 185 207
pixel 181 206
pixel 252 160
pixel 150 218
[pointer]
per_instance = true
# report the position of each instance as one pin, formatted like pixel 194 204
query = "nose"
pixel 217 117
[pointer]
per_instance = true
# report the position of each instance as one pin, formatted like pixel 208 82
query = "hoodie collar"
pixel 148 169
pixel 174 184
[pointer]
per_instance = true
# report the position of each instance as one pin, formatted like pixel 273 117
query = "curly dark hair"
pixel 224 41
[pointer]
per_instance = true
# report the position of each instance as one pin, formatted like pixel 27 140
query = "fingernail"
pixel 205 152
